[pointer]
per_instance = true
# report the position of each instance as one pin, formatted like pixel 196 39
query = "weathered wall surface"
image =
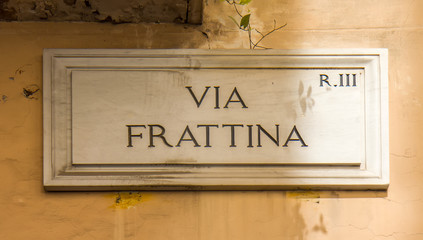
pixel 28 212
pixel 122 11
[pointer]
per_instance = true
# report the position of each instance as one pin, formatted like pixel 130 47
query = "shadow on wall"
pixel 233 214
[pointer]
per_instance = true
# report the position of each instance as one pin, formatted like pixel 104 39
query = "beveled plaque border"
pixel 60 174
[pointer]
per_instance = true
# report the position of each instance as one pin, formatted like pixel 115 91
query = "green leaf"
pixel 244 2
pixel 245 21
pixel 233 19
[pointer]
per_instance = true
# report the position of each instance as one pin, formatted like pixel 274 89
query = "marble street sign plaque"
pixel 215 119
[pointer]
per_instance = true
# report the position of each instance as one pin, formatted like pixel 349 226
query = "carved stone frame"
pixel 60 174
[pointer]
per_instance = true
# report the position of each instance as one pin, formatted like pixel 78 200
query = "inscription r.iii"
pixel 324 80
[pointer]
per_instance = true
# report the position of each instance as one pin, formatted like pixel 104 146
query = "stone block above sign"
pixel 215 119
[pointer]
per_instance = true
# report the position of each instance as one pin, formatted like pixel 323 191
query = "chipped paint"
pixel 3 99
pixel 30 91
pixel 126 200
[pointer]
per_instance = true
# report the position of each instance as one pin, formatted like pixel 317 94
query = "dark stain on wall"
pixel 7 14
pixel 3 98
pixel 31 91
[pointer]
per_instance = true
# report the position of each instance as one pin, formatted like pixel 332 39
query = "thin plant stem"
pixel 267 34
pixel 249 29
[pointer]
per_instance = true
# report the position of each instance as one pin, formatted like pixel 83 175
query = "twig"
pixel 267 34
pixel 258 32
pixel 262 47
pixel 234 4
pixel 249 36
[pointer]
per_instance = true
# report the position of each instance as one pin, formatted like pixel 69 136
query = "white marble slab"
pixel 222 119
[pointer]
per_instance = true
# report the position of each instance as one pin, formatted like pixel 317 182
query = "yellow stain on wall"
pixel 125 200
pixel 303 194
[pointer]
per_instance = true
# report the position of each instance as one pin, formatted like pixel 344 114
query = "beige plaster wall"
pixel 28 212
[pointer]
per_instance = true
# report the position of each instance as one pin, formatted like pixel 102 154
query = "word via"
pixel 235 97
pixel 157 132
pixel 324 80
